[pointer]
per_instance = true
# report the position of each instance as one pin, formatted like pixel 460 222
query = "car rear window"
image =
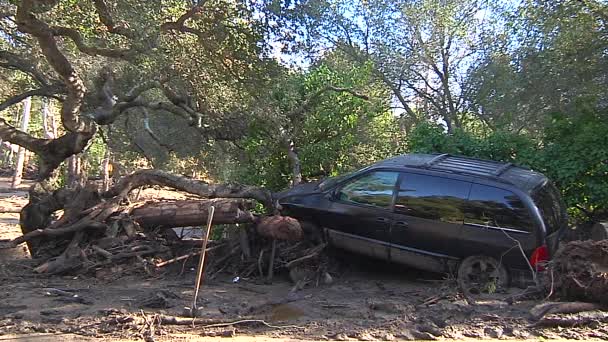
pixel 551 207
pixel 495 207
pixel 433 198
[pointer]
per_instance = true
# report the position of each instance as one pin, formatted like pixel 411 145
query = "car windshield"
pixel 551 207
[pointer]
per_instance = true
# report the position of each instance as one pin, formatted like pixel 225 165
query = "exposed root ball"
pixel 280 228
pixel 580 269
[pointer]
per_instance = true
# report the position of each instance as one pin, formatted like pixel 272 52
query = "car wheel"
pixel 479 274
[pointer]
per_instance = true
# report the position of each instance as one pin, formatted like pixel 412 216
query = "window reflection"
pixel 496 207
pixel 432 198
pixel 374 189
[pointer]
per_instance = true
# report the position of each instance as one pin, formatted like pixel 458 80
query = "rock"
pixel 430 328
pixel 421 335
pixel 474 333
pixel 15 315
pixel 341 337
pixel 384 306
pixel 49 312
pixel 406 335
pixel 388 337
pixel 158 300
pixel 523 334
pixel 365 336
pixel 495 332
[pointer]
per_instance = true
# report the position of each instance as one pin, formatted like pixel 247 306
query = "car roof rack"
pixel 502 169
pixel 436 160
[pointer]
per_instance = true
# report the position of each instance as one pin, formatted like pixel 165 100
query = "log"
pixel 185 213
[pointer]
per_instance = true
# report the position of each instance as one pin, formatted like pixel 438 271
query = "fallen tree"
pixel 104 228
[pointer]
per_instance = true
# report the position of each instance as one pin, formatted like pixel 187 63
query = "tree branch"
pixel 179 24
pixel 189 185
pixel 50 91
pixel 106 18
pixel 76 37
pixel 16 62
pixel 70 110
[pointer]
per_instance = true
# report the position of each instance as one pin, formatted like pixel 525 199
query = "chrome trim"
pixel 497 228
pixel 421 251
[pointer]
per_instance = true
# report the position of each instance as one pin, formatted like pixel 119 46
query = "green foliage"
pixel 336 133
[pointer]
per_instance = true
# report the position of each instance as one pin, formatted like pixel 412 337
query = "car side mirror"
pixel 332 195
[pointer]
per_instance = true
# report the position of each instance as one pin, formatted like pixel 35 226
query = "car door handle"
pixel 382 219
pixel 401 224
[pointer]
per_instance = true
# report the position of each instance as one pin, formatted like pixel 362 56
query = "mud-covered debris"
pixel 158 299
pixel 579 271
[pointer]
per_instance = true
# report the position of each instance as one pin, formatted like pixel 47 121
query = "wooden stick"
pixel 218 322
pixel 271 263
pixel 186 256
pixel 201 264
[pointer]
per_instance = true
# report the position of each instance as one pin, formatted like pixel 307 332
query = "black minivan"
pixel 437 212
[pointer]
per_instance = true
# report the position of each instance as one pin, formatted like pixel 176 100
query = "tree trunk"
pixel 193 186
pixel 25 121
pixel 296 165
pixel 74 171
pixel 105 170
pixel 48 133
pixel 187 213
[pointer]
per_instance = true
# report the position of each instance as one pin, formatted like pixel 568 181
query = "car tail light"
pixel 539 257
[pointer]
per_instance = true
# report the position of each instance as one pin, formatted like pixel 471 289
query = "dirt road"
pixel 367 300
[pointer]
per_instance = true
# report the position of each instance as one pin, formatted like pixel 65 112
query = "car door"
pixel 359 216
pixel 428 217
pixel 497 223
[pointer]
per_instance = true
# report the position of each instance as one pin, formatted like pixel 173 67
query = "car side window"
pixel 433 198
pixel 495 207
pixel 375 189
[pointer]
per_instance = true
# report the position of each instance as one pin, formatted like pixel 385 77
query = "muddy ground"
pixel 366 300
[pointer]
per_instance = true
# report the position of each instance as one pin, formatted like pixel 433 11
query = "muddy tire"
pixel 479 274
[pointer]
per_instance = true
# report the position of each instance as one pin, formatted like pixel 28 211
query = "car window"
pixel 375 189
pixel 490 206
pixel 551 206
pixel 433 198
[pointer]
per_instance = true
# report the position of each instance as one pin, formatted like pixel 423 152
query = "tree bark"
pixel 25 121
pixel 187 213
